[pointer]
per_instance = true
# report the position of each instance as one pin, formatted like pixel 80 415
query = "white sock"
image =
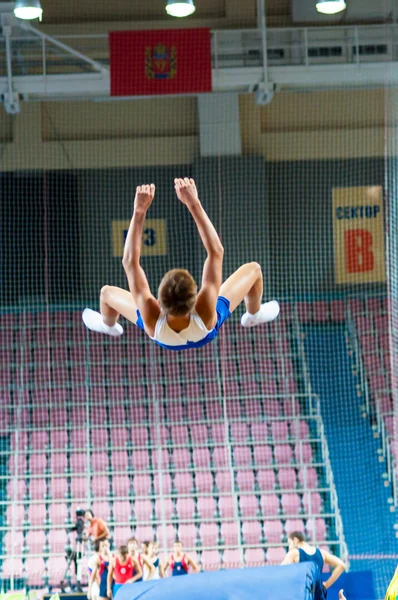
pixel 94 321
pixel 268 312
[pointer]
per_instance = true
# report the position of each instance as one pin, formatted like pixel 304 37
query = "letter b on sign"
pixel 358 251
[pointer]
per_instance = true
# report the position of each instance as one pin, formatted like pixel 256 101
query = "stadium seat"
pixel 59 463
pixel 179 434
pixel 162 484
pixel 275 556
pixel 35 541
pixel 303 453
pixel 242 456
pixel 12 567
pixel 254 556
pixel 194 411
pixel 77 463
pixel 120 485
pixel 185 508
pixel 78 439
pixel 57 540
pixel 210 560
pixel 100 486
pixel 78 487
pixel 248 506
pixel 100 462
pixel 299 429
pixel 224 481
pixel 13 542
pixel 259 432
pixel 273 531
pixel 199 434
pixel 269 504
pixel 229 533
pixel 308 477
pixel 181 458
pixel 262 455
pixel 245 481
pixel 226 507
pixel 121 534
pixel 203 482
pixel 239 432
pixel 232 559
pixel 206 508
pixel 17 464
pixel 316 529
pixel 266 479
pixel 252 406
pixel 56 566
pixel 140 436
pixel 169 533
pixel 38 440
pixel 279 431
pixel 337 310
pixel 119 437
pixel 183 482
pixel 140 460
pixel 283 454
pixel 291 407
pixel 37 514
pixel 37 464
pixel 164 508
pixel 58 488
pixel 102 509
pixel 142 510
pixel 208 534
pixel 320 311
pixel 59 439
pixel 119 460
pixel 15 515
pixel 34 568
pixel 57 513
pixel 220 457
pixel 214 410
pixel 291 504
pixel 16 489
pixel 218 433
pixel 293 525
pixel 175 410
pixel 251 532
pixel 287 479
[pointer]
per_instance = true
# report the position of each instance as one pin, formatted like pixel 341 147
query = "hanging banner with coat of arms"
pixel 169 61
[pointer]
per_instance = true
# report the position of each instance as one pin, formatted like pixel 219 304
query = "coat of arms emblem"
pixel 161 62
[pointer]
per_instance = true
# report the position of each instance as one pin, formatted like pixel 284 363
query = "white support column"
pixel 219 124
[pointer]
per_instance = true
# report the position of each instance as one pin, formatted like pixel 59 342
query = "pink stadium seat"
pixel 156 411
pixel 37 514
pixel 287 479
pixel 199 434
pixel 259 432
pixel 288 385
pixel 58 417
pixel 251 531
pixel 233 407
pixel 364 323
pixel 242 456
pixel 140 460
pixel 192 391
pixel 78 438
pixel 56 566
pixel 58 488
pixel 337 310
pixel 100 486
pixel 58 513
pixel 122 510
pixel 188 535
pixel 121 484
pixel 78 487
pixel 119 437
pixel 308 477
pixel 384 342
pixel 303 312
pixel 294 525
pixel 164 508
pixel 303 453
pixel 35 541
pixel 57 540
pixel 224 481
pixel 275 556
pixel 138 413
pixel 18 440
pixel 162 485
pixel 218 433
pixel 299 429
pixel 183 482
pixel 279 430
pixel 208 533
pixel 203 482
pixel 121 534
pixel 34 568
pixel 229 533
pixel 117 414
pixel 291 504
pixel 239 432
pixel 254 556
pixel 181 458
pixel 99 462
pixel 16 489
pixel 283 454
pixel 175 411
pixel 115 373
pixel 266 479
pixel 185 508
pixel 262 455
pixel 194 411
pixel 212 388
pixel 316 529
pixel 119 460
pixel 77 463
pixel 98 415
pixel 102 508
pixel 368 343
pixel 226 507
pixel 232 559
pixel 37 464
pixel 220 457
pixel 252 407
pixel 58 439
pixel 248 506
pixel 320 310
pixel 15 515
pixel 273 531
pixel 201 457
pixel 378 383
pixel 179 434
pixel 265 366
pixel 17 464
pixel 210 560
pixel 269 504
pixel 206 508
pixel 312 503
pixel 142 510
pixel 381 323
pixel 12 567
pixel 169 532
pixel 245 481
pixel 139 436
pixel 214 410
pixel 38 440
pixel 13 542
pixel 268 388
pixel 291 407
pixel 229 369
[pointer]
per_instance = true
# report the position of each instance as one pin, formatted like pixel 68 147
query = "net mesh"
pixel 291 426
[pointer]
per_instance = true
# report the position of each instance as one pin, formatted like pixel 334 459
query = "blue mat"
pixel 293 582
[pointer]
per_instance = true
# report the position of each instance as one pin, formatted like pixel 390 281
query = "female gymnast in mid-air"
pixel 181 317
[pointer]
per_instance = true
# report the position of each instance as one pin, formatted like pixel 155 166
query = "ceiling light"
pixel 28 9
pixel 180 8
pixel 330 7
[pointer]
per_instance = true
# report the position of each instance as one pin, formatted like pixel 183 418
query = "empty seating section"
pixel 220 447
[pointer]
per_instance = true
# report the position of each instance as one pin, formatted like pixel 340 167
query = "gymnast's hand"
pixel 186 191
pixel 143 197
pixel 341 595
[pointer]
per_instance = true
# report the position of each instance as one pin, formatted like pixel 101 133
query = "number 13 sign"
pixel 153 238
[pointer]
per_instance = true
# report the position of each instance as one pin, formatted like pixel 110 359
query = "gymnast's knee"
pixel 105 293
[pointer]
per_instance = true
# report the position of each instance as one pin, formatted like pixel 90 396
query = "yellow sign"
pixel 359 235
pixel 153 238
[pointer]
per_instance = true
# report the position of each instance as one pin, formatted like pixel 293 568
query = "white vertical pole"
pixel 262 25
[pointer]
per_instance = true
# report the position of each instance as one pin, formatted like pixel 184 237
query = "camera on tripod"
pixel 79 524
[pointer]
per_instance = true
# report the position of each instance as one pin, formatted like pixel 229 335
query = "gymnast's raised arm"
pixel 138 282
pixel 212 269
